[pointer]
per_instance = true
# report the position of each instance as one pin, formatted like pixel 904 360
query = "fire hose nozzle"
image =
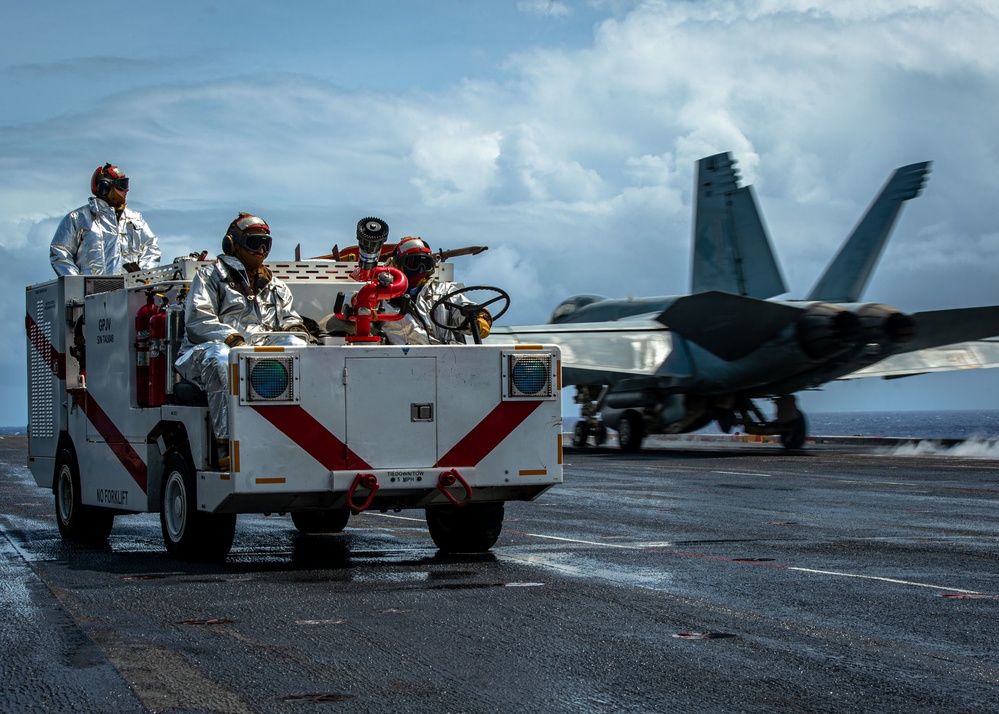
pixel 371 236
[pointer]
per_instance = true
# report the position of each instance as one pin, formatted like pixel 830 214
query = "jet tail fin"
pixel 732 252
pixel 849 272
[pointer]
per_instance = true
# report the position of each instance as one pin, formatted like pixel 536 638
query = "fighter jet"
pixel 674 364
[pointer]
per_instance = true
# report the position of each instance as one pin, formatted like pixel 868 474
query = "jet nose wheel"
pixel 468 310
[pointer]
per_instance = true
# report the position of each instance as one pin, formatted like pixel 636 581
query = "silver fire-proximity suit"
pixel 221 304
pixel 416 327
pixel 92 241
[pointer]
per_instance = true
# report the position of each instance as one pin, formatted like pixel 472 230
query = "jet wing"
pixel 937 328
pixel 730 326
pixel 597 352
pixel 978 354
pixel 962 338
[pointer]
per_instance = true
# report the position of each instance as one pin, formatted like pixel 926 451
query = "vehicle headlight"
pixel 272 378
pixel 528 376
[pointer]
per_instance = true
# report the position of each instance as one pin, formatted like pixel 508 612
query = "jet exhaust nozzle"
pixel 825 330
pixel 885 325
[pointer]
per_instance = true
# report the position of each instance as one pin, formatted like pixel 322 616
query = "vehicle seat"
pixel 190 394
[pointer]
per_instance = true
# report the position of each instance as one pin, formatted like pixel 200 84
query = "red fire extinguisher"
pixel 157 357
pixel 142 318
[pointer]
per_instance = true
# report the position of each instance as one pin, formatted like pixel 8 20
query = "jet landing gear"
pixel 583 430
pixel 588 424
pixel 790 424
pixel 795 428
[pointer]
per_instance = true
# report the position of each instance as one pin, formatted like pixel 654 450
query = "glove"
pixel 485 322
pixel 234 340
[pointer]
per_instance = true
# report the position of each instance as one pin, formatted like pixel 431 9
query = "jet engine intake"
pixel 885 325
pixel 826 330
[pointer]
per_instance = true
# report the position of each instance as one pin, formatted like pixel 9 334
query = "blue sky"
pixel 562 134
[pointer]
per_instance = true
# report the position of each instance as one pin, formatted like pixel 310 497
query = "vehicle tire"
pixel 328 521
pixel 190 534
pixel 580 433
pixel 794 437
pixel 473 528
pixel 600 434
pixel 630 431
pixel 77 522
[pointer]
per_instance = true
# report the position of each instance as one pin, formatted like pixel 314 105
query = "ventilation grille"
pixel 103 284
pixel 41 395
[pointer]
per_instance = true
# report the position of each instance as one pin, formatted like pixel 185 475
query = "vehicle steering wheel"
pixel 468 311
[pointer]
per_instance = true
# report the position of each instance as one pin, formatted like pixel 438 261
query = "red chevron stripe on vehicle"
pixel 114 439
pixel 317 441
pixel 488 433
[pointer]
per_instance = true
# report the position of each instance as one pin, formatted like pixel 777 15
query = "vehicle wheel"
pixel 191 534
pixel 797 432
pixel 600 434
pixel 329 521
pixel 630 432
pixel 580 433
pixel 473 528
pixel 77 522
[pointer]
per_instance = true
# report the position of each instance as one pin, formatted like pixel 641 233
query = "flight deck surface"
pixel 684 578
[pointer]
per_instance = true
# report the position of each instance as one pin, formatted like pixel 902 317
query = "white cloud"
pixel 455 162
pixel 549 8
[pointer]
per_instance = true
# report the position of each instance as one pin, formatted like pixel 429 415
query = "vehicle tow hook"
pixel 368 481
pixel 448 479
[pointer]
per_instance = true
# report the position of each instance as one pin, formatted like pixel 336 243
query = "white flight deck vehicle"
pixel 318 431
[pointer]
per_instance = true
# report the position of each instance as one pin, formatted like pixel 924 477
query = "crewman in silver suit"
pixel 231 302
pixel 105 236
pixel 415 259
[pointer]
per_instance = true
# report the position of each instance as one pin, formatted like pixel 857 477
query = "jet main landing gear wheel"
pixel 630 431
pixel 796 433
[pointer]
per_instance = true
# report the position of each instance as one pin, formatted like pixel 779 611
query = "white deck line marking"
pixel 884 580
pixel 741 473
pixel 658 546
pixel 896 581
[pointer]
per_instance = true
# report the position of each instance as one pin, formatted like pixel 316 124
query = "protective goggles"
pixel 418 262
pixel 119 183
pixel 254 241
